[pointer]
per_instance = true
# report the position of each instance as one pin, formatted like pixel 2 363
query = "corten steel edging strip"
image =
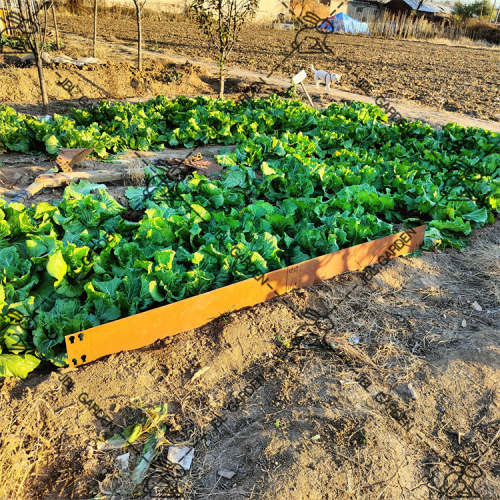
pixel 350 259
pixel 145 328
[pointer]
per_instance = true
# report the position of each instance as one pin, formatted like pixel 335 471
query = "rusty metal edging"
pixel 147 327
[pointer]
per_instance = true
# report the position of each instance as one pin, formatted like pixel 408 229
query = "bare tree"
pixel 139 5
pixel 95 29
pixel 33 15
pixel 221 21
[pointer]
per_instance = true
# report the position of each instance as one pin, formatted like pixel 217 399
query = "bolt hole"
pixel 75 361
pixel 72 339
pixel 84 358
pixel 80 336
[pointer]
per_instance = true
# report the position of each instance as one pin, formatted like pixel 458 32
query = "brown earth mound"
pixel 113 80
pixel 408 410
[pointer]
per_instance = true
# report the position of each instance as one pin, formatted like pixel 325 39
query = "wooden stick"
pixel 58 179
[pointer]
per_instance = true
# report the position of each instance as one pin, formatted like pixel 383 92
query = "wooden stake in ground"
pixel 55 25
pixel 221 21
pixel 139 5
pixel 95 29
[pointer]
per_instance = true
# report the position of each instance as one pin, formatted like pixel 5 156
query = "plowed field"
pixel 453 78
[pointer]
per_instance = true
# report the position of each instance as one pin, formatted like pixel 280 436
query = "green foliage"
pixel 14 42
pixel 291 92
pixel 300 183
pixel 470 10
pixel 51 45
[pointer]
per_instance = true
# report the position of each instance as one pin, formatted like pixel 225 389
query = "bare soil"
pixel 119 79
pixel 19 171
pixel 311 430
pixel 454 78
pixel 427 328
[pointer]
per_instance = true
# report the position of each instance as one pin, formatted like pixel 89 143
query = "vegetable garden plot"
pixel 301 183
pixel 145 328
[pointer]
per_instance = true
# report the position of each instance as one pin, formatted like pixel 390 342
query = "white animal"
pixel 326 78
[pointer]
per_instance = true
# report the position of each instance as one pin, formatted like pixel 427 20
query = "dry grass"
pixel 485 255
pixel 20 449
pixel 407 27
pixel 462 41
pixel 371 312
pixel 117 11
pixel 134 175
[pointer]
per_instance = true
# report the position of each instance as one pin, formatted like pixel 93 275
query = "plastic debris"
pixel 123 461
pixel 226 473
pixel 412 392
pixel 182 456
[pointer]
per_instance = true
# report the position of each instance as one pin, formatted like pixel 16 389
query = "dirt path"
pixel 459 79
pixel 123 82
pixel 410 111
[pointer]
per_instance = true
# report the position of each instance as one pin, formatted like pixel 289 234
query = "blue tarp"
pixel 343 23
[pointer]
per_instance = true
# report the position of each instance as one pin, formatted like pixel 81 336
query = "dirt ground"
pixel 19 171
pixel 401 399
pixel 453 78
pixel 434 93
pixel 310 430
pixel 117 79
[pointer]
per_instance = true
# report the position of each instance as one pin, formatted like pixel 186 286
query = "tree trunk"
pixel 221 73
pixel 492 17
pixel 43 88
pixel 139 38
pixel 55 25
pixel 222 58
pixel 95 28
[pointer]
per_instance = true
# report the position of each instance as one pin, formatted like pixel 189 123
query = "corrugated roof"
pixel 413 4
pixel 427 7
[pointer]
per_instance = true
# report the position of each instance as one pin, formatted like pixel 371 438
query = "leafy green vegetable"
pixel 300 183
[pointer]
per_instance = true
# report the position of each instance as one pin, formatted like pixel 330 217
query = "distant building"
pixel 268 9
pixel 425 9
pixel 364 10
